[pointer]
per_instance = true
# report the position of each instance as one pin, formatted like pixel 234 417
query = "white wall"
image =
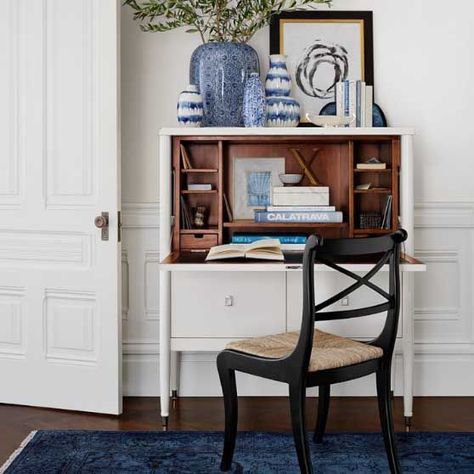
pixel 423 71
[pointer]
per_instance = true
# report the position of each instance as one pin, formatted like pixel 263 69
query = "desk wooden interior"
pixel 332 160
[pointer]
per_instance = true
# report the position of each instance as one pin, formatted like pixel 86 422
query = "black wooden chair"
pixel 313 358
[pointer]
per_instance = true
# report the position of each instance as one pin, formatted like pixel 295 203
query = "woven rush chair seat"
pixel 329 351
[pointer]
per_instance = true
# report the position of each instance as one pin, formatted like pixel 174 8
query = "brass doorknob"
pixel 101 222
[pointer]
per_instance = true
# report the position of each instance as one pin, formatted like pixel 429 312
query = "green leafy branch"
pixel 214 20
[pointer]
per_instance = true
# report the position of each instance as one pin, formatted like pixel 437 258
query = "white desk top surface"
pixel 186 262
pixel 287 131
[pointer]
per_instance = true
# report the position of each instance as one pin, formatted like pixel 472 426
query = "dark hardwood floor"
pixel 256 414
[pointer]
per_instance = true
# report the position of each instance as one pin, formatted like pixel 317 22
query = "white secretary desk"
pixel 203 306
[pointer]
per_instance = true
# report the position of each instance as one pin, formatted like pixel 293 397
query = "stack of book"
pixel 355 99
pixel 299 204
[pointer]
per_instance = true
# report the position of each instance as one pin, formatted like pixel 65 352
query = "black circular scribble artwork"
pixel 314 57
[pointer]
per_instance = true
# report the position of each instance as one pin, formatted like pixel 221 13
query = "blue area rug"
pixel 68 452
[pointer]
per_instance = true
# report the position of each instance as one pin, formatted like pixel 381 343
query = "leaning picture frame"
pixel 323 48
pixel 253 181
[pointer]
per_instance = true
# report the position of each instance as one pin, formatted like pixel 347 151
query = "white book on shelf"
pixel 292 199
pixel 199 187
pixel 369 101
pixel 340 99
pixel 363 93
pixel 353 103
pixel 301 208
pixel 301 189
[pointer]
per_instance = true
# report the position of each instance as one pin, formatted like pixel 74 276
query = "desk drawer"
pixel 198 241
pixel 220 304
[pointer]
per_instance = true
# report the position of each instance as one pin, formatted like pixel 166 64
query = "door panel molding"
pixel 71 76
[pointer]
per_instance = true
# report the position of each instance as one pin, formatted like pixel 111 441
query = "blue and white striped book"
pixel 284 239
pixel 346 99
pixel 298 217
pixel 358 103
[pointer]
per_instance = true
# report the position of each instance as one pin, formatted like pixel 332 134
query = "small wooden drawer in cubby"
pixel 197 241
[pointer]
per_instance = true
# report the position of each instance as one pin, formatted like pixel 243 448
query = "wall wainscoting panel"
pixel 444 308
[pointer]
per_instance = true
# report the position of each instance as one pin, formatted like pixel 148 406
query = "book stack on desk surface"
pixel 299 204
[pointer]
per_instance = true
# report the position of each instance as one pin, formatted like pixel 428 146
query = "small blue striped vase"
pixel 278 80
pixel 282 112
pixel 190 107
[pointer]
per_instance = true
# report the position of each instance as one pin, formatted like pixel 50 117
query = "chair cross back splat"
pixel 313 358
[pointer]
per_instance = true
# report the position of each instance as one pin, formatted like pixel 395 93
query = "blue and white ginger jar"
pixel 278 80
pixel 283 112
pixel 190 107
pixel 255 104
pixel 220 70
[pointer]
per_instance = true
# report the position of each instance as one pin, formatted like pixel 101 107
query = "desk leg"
pixel 175 371
pixel 165 346
pixel 408 346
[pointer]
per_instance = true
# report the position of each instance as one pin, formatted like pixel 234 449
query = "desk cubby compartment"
pixel 378 180
pixel 202 156
pixel 382 149
pixel 193 200
pixel 371 204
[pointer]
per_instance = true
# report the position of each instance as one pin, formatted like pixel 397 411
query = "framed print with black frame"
pixel 323 48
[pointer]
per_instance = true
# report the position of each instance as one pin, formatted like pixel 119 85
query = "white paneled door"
pixel 60 316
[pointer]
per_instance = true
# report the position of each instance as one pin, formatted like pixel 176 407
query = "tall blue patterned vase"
pixel 255 104
pixel 190 110
pixel 278 80
pixel 220 70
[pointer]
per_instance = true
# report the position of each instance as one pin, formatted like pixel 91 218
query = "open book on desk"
pixel 266 249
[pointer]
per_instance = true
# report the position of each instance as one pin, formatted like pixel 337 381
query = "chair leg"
pixel 229 390
pixel 385 411
pixel 323 410
pixel 297 409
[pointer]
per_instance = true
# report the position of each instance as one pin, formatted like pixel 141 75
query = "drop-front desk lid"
pixel 196 261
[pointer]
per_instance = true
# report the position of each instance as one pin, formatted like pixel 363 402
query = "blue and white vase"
pixel 278 80
pixel 255 105
pixel 282 112
pixel 190 107
pixel 220 70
